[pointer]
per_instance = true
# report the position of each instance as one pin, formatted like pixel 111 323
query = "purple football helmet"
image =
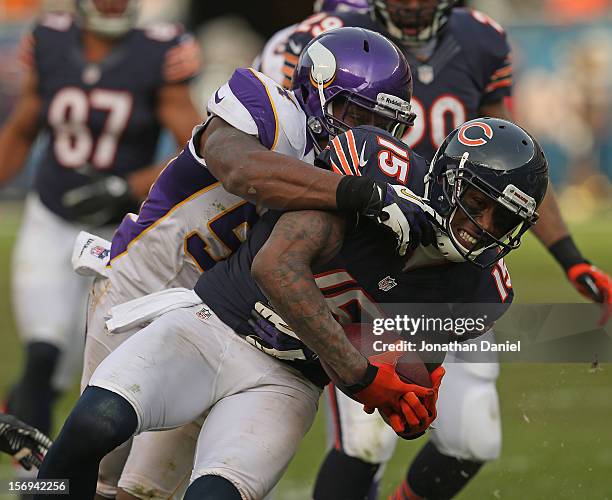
pixel 340 5
pixel 353 76
pixel 413 25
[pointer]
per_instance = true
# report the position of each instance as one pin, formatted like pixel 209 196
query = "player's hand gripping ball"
pixel 396 383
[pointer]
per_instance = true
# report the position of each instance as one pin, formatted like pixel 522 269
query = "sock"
pixel 32 397
pixel 212 487
pixel 100 421
pixel 342 477
pixel 435 476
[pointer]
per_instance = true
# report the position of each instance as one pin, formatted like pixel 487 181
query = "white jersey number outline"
pixel 74 143
pixel 434 120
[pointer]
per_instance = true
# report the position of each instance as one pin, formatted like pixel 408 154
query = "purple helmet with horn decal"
pixel 353 76
pixel 486 161
pixel 340 5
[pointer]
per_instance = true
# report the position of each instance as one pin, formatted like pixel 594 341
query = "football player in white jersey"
pixel 255 144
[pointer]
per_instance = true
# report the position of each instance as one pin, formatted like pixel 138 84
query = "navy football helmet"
pixel 498 164
pixel 353 76
pixel 108 18
pixel 412 25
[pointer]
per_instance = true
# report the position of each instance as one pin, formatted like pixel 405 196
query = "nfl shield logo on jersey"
pixel 91 74
pixel 203 314
pixel 100 252
pixel 387 283
pixel 425 74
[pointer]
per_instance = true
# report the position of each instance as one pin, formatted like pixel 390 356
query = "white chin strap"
pixel 108 27
pixel 449 246
pixel 446 247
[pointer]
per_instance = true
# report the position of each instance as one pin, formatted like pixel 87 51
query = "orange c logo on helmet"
pixel 464 139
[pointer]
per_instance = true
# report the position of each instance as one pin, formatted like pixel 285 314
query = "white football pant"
pixel 187 363
pixel 48 297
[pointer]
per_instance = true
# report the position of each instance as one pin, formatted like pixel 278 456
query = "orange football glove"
pixel 401 404
pixel 415 431
pixel 595 285
pixel 436 380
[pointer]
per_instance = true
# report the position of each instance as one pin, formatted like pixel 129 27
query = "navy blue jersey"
pixel 366 273
pixel 470 66
pixel 102 118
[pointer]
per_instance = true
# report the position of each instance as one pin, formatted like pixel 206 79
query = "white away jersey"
pixel 189 222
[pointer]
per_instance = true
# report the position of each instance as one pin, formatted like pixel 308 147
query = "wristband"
pixel 356 194
pixel 366 380
pixel 566 253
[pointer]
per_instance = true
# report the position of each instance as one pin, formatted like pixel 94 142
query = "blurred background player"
pixel 462 66
pixel 271 60
pixel 102 90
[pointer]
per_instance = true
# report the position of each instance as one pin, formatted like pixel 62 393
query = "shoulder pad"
pixel 374 153
pixel 257 105
pixel 162 31
pixel 486 46
pixel 476 29
pixel 56 21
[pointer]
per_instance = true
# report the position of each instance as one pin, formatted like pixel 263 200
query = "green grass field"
pixel 557 419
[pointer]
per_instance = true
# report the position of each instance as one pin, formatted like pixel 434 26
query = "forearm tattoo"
pixel 300 240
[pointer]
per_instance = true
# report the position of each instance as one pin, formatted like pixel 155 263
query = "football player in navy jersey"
pixel 462 69
pixel 259 386
pixel 102 90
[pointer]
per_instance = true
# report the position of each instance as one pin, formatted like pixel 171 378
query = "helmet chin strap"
pixel 316 126
pixel 447 243
pixel 319 80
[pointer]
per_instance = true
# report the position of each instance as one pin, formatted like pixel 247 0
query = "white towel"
pixel 143 310
pixel 90 255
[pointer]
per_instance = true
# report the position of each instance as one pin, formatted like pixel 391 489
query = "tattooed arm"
pixel 283 270
pixel 263 177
